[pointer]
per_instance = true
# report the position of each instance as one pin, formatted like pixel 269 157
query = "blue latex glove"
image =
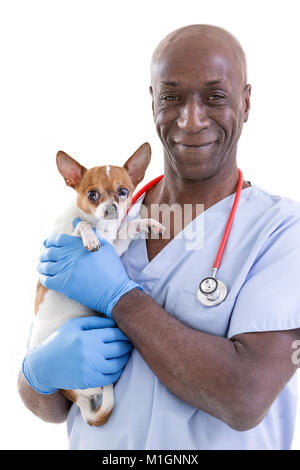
pixel 95 279
pixel 85 352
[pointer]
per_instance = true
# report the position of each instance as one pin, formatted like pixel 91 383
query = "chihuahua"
pixel 104 196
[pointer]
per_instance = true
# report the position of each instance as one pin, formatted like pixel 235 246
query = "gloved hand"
pixel 85 352
pixel 95 279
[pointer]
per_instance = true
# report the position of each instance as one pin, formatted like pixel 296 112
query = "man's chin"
pixel 193 166
pixel 195 172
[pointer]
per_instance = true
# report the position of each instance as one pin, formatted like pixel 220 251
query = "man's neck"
pixel 175 189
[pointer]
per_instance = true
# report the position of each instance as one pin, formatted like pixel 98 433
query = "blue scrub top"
pixel 261 267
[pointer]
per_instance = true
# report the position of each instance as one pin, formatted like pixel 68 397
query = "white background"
pixel 75 76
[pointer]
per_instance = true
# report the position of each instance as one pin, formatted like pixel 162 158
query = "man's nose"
pixel 193 117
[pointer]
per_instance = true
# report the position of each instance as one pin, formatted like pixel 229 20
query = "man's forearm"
pixel 52 408
pixel 202 369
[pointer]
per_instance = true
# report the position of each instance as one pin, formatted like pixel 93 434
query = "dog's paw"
pixel 152 225
pixel 91 243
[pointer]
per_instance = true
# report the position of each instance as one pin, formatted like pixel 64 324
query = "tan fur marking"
pixel 69 394
pixel 39 296
pixel 101 419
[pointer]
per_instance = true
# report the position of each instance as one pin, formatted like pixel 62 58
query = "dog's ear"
pixel 71 170
pixel 137 164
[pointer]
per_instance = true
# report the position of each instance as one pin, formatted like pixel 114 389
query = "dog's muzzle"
pixel 110 211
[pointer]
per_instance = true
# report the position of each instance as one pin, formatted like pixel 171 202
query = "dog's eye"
pixel 123 193
pixel 93 195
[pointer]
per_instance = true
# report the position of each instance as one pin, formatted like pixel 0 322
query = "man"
pixel 197 376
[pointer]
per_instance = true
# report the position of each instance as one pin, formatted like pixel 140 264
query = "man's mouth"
pixel 194 145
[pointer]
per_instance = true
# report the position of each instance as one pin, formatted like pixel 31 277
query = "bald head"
pixel 194 40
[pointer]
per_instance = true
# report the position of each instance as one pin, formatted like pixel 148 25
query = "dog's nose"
pixel 110 211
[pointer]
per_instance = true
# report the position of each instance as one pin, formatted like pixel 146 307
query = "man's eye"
pixel 215 97
pixel 93 195
pixel 170 98
pixel 123 193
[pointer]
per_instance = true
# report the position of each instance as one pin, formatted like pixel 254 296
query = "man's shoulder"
pixel 279 205
pixel 275 215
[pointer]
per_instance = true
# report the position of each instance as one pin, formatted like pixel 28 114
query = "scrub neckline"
pixel 135 209
pixel 207 213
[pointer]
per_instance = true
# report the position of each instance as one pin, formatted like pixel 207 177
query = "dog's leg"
pixel 87 401
pixel 89 238
pixel 132 230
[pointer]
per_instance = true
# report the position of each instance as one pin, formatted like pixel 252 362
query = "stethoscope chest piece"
pixel 211 292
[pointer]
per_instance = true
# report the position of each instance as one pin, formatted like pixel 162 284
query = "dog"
pixel 104 195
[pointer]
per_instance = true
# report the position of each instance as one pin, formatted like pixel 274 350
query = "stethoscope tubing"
pixel 217 262
pixel 223 243
pixel 211 291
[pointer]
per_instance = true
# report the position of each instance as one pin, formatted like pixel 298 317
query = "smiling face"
pixel 200 100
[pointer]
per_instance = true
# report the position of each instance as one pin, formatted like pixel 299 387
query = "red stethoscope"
pixel 211 291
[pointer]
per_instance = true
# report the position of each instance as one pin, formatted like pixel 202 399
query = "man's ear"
pixel 247 93
pixel 151 93
pixel 137 164
pixel 71 170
